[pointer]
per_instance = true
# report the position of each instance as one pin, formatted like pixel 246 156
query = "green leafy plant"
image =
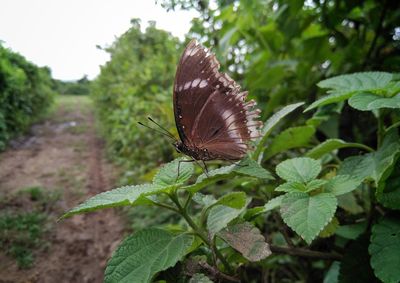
pixel 315 196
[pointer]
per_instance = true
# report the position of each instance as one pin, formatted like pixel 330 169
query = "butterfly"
pixel 213 119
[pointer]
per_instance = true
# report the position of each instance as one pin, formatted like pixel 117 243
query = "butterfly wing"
pixel 210 111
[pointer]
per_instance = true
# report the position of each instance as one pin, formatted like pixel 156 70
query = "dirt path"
pixel 64 154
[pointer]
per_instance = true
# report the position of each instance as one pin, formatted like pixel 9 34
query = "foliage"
pixel 25 94
pixel 256 216
pixel 134 84
pixel 78 87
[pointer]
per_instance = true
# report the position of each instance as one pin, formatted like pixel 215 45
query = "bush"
pixel 25 94
pixel 136 83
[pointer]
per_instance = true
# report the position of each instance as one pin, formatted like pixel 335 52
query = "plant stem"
pixel 182 211
pixel 381 128
pixel 305 253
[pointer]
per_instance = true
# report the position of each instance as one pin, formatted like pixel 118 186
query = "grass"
pixel 24 222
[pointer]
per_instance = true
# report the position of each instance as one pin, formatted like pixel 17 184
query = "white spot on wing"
pixel 203 83
pixel 187 85
pixel 196 82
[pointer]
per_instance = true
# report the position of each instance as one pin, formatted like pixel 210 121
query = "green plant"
pixel 343 209
pixel 25 94
pixel 134 84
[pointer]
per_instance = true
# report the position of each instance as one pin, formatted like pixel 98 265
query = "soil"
pixel 64 154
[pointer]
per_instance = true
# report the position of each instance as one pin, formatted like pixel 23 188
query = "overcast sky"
pixel 63 34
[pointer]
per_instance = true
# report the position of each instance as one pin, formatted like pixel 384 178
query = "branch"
pixel 377 33
pixel 216 273
pixel 301 252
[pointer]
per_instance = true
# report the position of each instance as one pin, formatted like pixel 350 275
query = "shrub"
pixel 25 94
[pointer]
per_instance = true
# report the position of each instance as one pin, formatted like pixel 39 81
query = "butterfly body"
pixel 213 119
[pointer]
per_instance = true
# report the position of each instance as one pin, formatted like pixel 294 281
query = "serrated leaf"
pixel 376 165
pixel 368 101
pixel 315 184
pixel 385 250
pixel 342 184
pixel 270 125
pixel 246 167
pixel 333 98
pixel 246 239
pixel 220 216
pixel 329 229
pixel 128 195
pixel 308 215
pixel 168 174
pixel 270 205
pixel 331 145
pixel 344 86
pixel 364 81
pixel 204 200
pixel 390 196
pixel 145 253
pixel 301 170
pixel 333 273
pixel 352 231
pixel 290 138
pixel 200 278
pixel 355 267
pixel 291 187
pixel 348 202
pixel 234 199
pixel 273 203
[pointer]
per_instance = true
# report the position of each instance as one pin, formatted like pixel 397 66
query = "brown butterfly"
pixel 212 117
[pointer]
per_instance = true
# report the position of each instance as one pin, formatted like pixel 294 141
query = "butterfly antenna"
pixel 168 134
pixel 161 127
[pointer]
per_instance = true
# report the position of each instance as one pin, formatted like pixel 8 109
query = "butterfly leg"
pixel 179 165
pixel 206 169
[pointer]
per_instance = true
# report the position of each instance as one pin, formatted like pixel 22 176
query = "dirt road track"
pixel 64 153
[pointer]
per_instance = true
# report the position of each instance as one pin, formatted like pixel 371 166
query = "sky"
pixel 63 34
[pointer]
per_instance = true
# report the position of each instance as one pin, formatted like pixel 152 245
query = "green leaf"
pixel 333 98
pixel 204 200
pixel 315 184
pixel 249 167
pixel 365 81
pixel 291 187
pixel 329 229
pixel 345 86
pixel 352 231
pixel 200 278
pixel 246 167
pixel 273 203
pixel 270 205
pixel 331 145
pixel 233 199
pixel 270 125
pixel 342 184
pixel 368 101
pixel 290 138
pixel 300 169
pixel 128 195
pixel 145 253
pixel 377 165
pixel 168 174
pixel 308 215
pixel 246 239
pixel 385 250
pixel 349 203
pixel 220 216
pixel 355 267
pixel 333 273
